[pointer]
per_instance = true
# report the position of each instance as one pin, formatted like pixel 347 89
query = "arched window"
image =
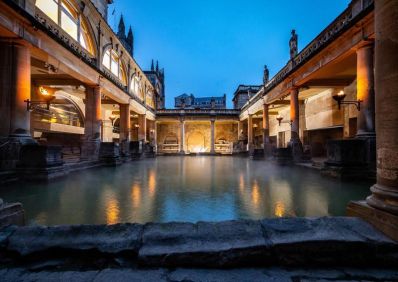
pixel 63 13
pixel 135 87
pixel 113 63
pixel 149 98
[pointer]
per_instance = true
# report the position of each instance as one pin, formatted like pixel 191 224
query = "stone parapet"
pixel 293 242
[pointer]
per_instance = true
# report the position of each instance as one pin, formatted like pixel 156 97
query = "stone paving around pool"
pixel 297 249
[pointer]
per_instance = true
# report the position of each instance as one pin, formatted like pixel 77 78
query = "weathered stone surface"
pixel 203 244
pixel 131 275
pixel 199 275
pixel 19 274
pixel 328 241
pixel 104 238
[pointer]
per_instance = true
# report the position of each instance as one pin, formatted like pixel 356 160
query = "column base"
pixel 385 222
pixel 90 150
pixel 283 156
pixel 109 154
pixel 296 148
pixel 10 148
pixel 125 155
pixel 40 163
pixel 349 159
pixel 136 150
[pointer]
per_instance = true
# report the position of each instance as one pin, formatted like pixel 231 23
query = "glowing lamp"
pixel 46 93
pixel 339 98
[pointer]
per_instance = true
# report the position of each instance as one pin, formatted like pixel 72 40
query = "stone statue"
pixel 266 75
pixel 293 45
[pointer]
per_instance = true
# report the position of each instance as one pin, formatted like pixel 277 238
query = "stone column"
pixel 142 128
pixel 92 124
pixel 250 133
pixel 267 149
pixel 365 92
pixel 381 208
pixel 212 136
pixel 240 128
pixel 14 89
pixel 125 123
pixel 295 142
pixel 182 135
pixel 124 134
pixel 294 114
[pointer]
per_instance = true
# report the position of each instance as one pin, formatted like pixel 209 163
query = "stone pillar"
pixel 212 136
pixel 381 208
pixel 124 134
pixel 125 123
pixel 240 128
pixel 182 135
pixel 92 124
pixel 142 128
pixel 266 144
pixel 14 89
pixel 295 143
pixel 294 114
pixel 365 92
pixel 250 133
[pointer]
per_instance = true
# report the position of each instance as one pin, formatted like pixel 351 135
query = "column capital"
pixel 365 44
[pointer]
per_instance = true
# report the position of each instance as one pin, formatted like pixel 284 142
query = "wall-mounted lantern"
pixel 46 93
pixel 339 98
pixel 112 118
pixel 279 118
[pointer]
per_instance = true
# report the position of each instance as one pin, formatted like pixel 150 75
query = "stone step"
pixel 287 242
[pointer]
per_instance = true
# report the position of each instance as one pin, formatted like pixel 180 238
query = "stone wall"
pixel 166 130
pixel 229 132
pixel 197 137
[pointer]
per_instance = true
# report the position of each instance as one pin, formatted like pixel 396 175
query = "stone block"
pixel 381 220
pixel 328 241
pixel 350 159
pixel 61 239
pixel 40 162
pixel 204 244
pixel 283 156
pixel 136 149
pixel 346 152
pixel 110 153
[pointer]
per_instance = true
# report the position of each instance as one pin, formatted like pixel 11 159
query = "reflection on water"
pixel 183 189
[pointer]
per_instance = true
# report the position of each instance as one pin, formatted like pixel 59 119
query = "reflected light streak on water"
pixel 183 189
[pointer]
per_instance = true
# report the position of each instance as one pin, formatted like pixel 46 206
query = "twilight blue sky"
pixel 209 47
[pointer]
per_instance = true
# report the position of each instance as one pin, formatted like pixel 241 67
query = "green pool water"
pixel 183 189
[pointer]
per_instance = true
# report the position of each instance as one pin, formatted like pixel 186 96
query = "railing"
pixel 338 26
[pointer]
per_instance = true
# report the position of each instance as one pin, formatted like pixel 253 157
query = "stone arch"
pixel 196 141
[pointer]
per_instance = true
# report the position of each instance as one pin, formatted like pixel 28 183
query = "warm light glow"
pixel 241 182
pixel 112 211
pixel 255 194
pixel 43 91
pixel 279 209
pixel 136 195
pixel 152 183
pixel 341 93
pixel 198 149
